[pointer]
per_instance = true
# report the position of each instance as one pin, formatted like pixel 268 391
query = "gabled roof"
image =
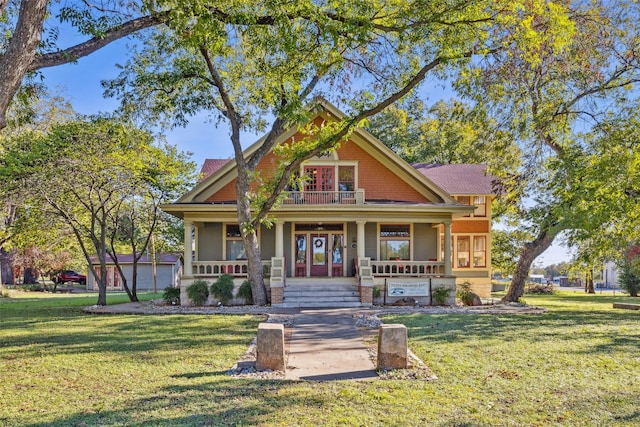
pixel 459 178
pixel 210 166
pixel 218 172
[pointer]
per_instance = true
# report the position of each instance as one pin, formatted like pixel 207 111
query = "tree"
pixel 505 246
pixel 446 132
pixel 26 46
pixel 104 163
pixel 562 67
pixel 136 218
pixel 17 225
pixel 271 62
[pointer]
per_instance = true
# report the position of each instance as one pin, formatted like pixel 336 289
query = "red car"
pixel 70 276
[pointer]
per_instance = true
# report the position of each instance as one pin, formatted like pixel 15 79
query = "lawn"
pixel 578 364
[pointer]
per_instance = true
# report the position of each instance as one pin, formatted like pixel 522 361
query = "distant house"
pixel 610 275
pixel 537 278
pixel 560 280
pixel 364 218
pixel 168 269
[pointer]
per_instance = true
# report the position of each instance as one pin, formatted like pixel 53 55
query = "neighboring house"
pixel 364 218
pixel 167 272
pixel 610 275
pixel 537 278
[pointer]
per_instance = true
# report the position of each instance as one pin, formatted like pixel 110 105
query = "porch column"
pixel 188 247
pixel 360 237
pixel 279 239
pixel 447 248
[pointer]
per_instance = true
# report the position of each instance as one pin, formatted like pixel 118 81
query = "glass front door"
pixel 319 254
pixel 319 258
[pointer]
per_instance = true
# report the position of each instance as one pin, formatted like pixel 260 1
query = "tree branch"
pixel 83 49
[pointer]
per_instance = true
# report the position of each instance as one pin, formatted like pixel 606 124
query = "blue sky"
pixel 80 83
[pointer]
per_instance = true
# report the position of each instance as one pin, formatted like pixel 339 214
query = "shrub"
pixel 198 291
pixel 222 289
pixel 376 292
pixel 440 295
pixel 245 292
pixel 538 288
pixel 171 295
pixel 32 287
pixel 463 292
pixel 630 276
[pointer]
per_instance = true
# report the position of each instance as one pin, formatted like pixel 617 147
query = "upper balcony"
pixel 324 197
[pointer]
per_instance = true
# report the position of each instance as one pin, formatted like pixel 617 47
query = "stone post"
pixel 392 347
pixel 270 347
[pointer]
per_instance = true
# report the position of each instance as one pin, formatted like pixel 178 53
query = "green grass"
pixel 578 364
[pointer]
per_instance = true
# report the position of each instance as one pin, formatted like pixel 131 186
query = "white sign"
pixel 407 289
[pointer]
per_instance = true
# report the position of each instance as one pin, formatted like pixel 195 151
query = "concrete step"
pixel 301 293
pixel 318 292
pixel 317 304
pixel 311 298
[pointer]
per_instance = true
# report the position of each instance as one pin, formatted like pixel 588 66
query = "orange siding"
pixel 228 192
pixel 378 182
pixel 470 226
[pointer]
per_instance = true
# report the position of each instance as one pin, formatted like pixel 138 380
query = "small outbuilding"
pixel 168 270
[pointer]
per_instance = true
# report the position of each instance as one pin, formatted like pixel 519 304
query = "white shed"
pixel 168 271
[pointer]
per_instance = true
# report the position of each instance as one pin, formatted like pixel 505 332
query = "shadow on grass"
pixel 222 401
pixel 135 335
pixel 602 331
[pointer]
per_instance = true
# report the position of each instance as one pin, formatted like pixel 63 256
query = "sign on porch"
pixel 407 289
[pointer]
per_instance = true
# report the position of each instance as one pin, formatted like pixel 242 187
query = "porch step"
pixel 330 292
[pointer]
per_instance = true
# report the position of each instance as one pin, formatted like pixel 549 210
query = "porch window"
pixel 235 247
pixel 480 251
pixel 463 251
pixel 346 178
pixel 481 206
pixel 301 249
pixel 395 242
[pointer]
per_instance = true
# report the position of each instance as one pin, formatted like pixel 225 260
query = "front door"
pixel 319 255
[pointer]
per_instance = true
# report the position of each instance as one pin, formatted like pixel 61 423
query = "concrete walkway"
pixel 326 345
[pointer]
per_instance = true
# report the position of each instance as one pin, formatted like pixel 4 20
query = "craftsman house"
pixel 365 218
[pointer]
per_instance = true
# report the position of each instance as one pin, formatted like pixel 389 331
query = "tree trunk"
pixel 250 240
pixel 589 285
pixel 6 267
pixel 29 276
pixel 529 253
pixel 20 52
pixel 254 269
pixel 133 293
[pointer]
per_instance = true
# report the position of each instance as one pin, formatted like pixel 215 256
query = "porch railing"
pixel 325 198
pixel 407 268
pixel 218 268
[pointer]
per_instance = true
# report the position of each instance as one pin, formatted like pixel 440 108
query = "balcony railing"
pixel 325 198
pixel 407 268
pixel 234 268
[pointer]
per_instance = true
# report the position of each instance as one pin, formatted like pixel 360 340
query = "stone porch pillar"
pixel 188 247
pixel 447 248
pixel 360 238
pixel 279 239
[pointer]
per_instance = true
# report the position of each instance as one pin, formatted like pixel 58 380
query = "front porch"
pixel 366 254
